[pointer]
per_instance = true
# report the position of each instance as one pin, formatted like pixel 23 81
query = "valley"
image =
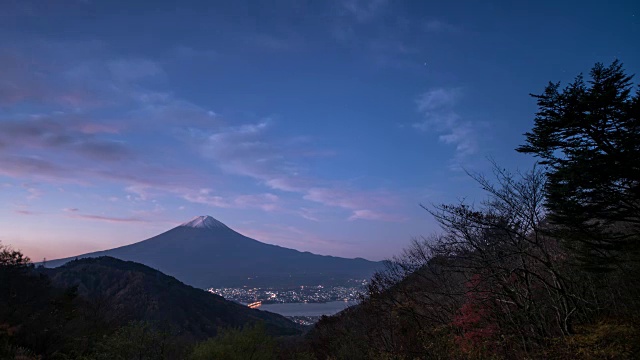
pixel 303 304
pixel 299 294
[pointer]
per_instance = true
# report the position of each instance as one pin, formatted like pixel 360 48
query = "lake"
pixel 307 309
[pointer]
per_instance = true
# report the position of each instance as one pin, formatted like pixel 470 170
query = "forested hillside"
pixel 130 291
pixel 93 307
pixel 546 267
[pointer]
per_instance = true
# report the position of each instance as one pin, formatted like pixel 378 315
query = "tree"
pixel 37 318
pixel 520 284
pixel 251 343
pixel 14 259
pixel 588 137
pixel 493 282
pixel 14 268
pixel 141 341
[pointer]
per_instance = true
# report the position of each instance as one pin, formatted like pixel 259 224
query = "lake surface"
pixel 307 309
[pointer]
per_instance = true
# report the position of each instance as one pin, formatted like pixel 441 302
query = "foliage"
pixel 474 320
pixel 588 136
pixel 41 320
pixel 248 343
pixel 606 339
pixel 141 341
pixel 10 258
pixel 35 317
pixel 134 292
pixel 496 284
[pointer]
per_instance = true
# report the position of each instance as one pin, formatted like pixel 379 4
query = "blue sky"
pixel 316 125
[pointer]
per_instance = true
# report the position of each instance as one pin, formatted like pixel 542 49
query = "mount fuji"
pixel 205 253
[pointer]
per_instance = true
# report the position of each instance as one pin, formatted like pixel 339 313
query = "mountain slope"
pixel 132 291
pixel 206 253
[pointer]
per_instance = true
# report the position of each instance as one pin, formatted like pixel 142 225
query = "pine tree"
pixel 588 137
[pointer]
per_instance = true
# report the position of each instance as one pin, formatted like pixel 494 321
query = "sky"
pixel 316 125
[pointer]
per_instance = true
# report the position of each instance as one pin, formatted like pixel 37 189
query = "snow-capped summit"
pixel 204 222
pixel 206 253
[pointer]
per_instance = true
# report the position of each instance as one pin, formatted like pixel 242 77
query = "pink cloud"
pixel 59 133
pixel 204 196
pixel 108 219
pixel 333 197
pixel 359 202
pixel 286 184
pixel 31 167
pixel 34 193
pixel 266 202
pixel 372 215
pixel 76 145
pixel 308 214
pixel 40 79
pixel 247 151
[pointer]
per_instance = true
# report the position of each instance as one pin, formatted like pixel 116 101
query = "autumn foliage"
pixel 478 329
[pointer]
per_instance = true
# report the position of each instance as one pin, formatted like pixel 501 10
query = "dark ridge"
pixel 134 292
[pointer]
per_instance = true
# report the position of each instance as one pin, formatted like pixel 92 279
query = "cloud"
pixel 437 107
pixel 94 107
pixel 59 132
pixel 34 193
pixel 463 137
pixel 204 196
pixel 360 203
pixel 104 150
pixel 32 167
pixel 142 180
pixel 337 197
pixel 309 214
pixel 267 202
pixel 439 99
pixel 109 219
pixel 383 33
pixel 154 107
pixel 39 72
pixel 87 110
pixel 130 70
pixel 272 42
pixel 87 79
pixel 362 10
pixel 245 150
pixel 355 22
pixel 373 215
pixel 439 26
pixel 22 9
pixel 248 151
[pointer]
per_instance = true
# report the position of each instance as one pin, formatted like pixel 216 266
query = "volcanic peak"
pixel 204 222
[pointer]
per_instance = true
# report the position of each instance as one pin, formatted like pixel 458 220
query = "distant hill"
pixel 130 291
pixel 206 253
